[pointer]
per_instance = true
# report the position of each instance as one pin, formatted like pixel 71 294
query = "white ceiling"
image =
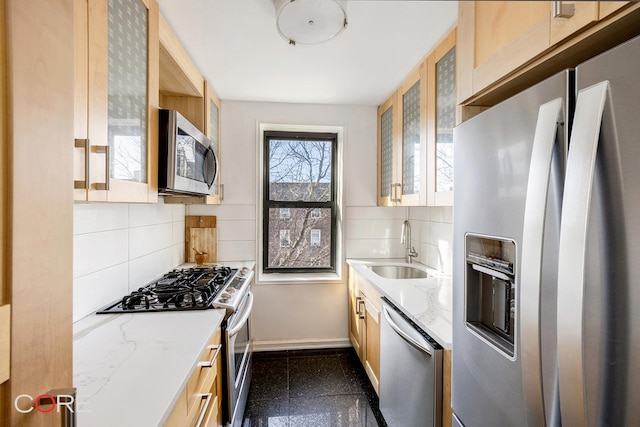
pixel 237 48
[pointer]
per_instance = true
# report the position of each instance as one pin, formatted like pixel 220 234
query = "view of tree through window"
pixel 299 205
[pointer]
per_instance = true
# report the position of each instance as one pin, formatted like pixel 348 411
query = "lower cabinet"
pixel 365 306
pixel 200 402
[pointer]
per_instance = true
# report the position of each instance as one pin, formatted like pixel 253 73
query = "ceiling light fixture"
pixel 308 22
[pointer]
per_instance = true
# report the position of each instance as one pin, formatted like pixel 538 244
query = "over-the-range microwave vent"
pixel 187 159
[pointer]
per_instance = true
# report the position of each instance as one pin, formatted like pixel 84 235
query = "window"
pixel 285 239
pixel 299 206
pixel 315 237
pixel 285 213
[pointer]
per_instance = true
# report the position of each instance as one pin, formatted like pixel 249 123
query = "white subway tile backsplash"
pixel 225 212
pixel 236 230
pixel 236 250
pixel 372 229
pixel 118 247
pixel 178 254
pixel 96 251
pixel 442 214
pixel 375 212
pixel 178 232
pixel 146 268
pixel 144 214
pixel 440 232
pixel 178 211
pixel 95 290
pixel 152 238
pixel 96 217
pixel 420 213
pixel 374 248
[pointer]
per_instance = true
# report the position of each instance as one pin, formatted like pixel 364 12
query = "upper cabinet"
pixel 415 133
pixel 184 89
pixel 508 45
pixel 387 151
pixel 442 117
pixel 212 130
pixel 402 143
pixel 116 100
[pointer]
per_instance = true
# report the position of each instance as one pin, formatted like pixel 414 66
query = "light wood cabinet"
pixel 355 325
pixel 184 89
pixel 36 202
pixel 496 37
pixel 503 46
pixel 388 124
pixel 402 143
pixel 212 130
pixel 5 341
pixel 609 7
pixel 365 306
pixel 200 403
pixel 441 119
pixel 116 100
pixel 447 412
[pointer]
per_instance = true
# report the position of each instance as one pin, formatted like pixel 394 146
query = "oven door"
pixel 238 342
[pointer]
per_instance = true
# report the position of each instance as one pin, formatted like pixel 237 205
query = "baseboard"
pixel 279 345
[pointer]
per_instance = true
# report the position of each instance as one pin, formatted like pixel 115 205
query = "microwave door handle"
pixel 590 107
pixel 233 330
pixel 549 117
pixel 211 179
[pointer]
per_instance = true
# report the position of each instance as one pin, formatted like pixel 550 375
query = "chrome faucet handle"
pixel 412 254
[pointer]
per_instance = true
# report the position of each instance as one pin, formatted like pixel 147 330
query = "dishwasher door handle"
pixel 403 334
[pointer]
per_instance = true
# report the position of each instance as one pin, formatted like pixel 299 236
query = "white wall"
pixel 310 314
pixel 119 247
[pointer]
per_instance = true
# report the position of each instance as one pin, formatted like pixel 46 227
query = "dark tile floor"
pixel 314 388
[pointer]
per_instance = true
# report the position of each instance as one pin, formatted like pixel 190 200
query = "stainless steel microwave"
pixel 187 159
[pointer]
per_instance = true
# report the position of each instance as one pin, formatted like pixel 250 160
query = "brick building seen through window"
pixel 299 206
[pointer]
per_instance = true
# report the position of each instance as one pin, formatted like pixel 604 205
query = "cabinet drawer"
pixel 203 386
pixel 204 376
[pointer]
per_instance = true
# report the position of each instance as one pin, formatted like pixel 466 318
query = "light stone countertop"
pixel 428 302
pixel 130 368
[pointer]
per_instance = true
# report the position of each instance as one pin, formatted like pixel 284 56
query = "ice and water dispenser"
pixel 490 289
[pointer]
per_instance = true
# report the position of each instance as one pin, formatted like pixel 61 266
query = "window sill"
pixel 298 278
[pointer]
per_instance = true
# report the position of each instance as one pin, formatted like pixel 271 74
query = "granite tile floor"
pixel 311 388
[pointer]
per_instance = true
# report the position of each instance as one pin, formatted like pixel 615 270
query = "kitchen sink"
pixel 391 271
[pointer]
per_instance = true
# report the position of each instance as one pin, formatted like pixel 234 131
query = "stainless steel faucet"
pixel 405 238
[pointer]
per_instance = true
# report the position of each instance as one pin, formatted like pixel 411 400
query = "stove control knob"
pixel 225 295
pixel 244 271
pixel 231 290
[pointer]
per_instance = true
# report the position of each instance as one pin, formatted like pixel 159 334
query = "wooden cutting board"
pixel 200 233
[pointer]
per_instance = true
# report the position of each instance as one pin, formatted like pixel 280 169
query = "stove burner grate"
pixel 188 289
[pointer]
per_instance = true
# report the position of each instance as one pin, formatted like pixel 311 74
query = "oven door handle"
pixel 233 330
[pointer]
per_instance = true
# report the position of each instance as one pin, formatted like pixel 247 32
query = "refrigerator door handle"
pixel 572 250
pixel 550 115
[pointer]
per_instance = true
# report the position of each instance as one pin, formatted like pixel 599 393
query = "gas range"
pixel 196 288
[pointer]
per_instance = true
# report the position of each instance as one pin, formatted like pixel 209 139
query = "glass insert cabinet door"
pixel 127 88
pixel 117 84
pixel 402 143
pixel 387 127
pixel 212 130
pixel 442 113
pixel 413 138
pixel 445 119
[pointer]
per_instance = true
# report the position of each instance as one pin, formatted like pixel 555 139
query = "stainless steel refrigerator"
pixel 546 297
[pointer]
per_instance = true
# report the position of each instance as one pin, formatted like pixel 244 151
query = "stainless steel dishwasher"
pixel 410 372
